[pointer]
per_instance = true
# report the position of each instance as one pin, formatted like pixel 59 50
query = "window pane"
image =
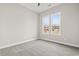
pixel 45 24
pixel 55 23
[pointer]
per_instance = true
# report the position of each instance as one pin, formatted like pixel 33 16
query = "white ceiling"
pixel 43 6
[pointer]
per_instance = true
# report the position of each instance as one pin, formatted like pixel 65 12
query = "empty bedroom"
pixel 39 29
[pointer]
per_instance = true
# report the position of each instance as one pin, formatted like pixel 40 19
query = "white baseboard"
pixel 64 43
pixel 14 44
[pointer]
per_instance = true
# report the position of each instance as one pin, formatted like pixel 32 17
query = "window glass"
pixel 55 23
pixel 51 24
pixel 45 24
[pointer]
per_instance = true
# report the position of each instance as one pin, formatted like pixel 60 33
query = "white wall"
pixel 69 25
pixel 17 24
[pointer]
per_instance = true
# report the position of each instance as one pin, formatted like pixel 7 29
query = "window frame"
pixel 59 21
pixel 41 24
pixel 49 14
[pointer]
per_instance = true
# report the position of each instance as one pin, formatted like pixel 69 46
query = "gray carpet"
pixel 40 48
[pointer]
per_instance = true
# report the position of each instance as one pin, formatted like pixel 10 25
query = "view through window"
pixel 55 23
pixel 51 24
pixel 45 24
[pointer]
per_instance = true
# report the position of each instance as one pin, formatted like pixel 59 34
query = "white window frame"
pixel 59 21
pixel 50 33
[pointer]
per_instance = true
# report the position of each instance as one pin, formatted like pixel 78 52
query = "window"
pixel 55 23
pixel 51 24
pixel 45 24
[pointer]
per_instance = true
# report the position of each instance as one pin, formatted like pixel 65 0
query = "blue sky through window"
pixel 55 19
